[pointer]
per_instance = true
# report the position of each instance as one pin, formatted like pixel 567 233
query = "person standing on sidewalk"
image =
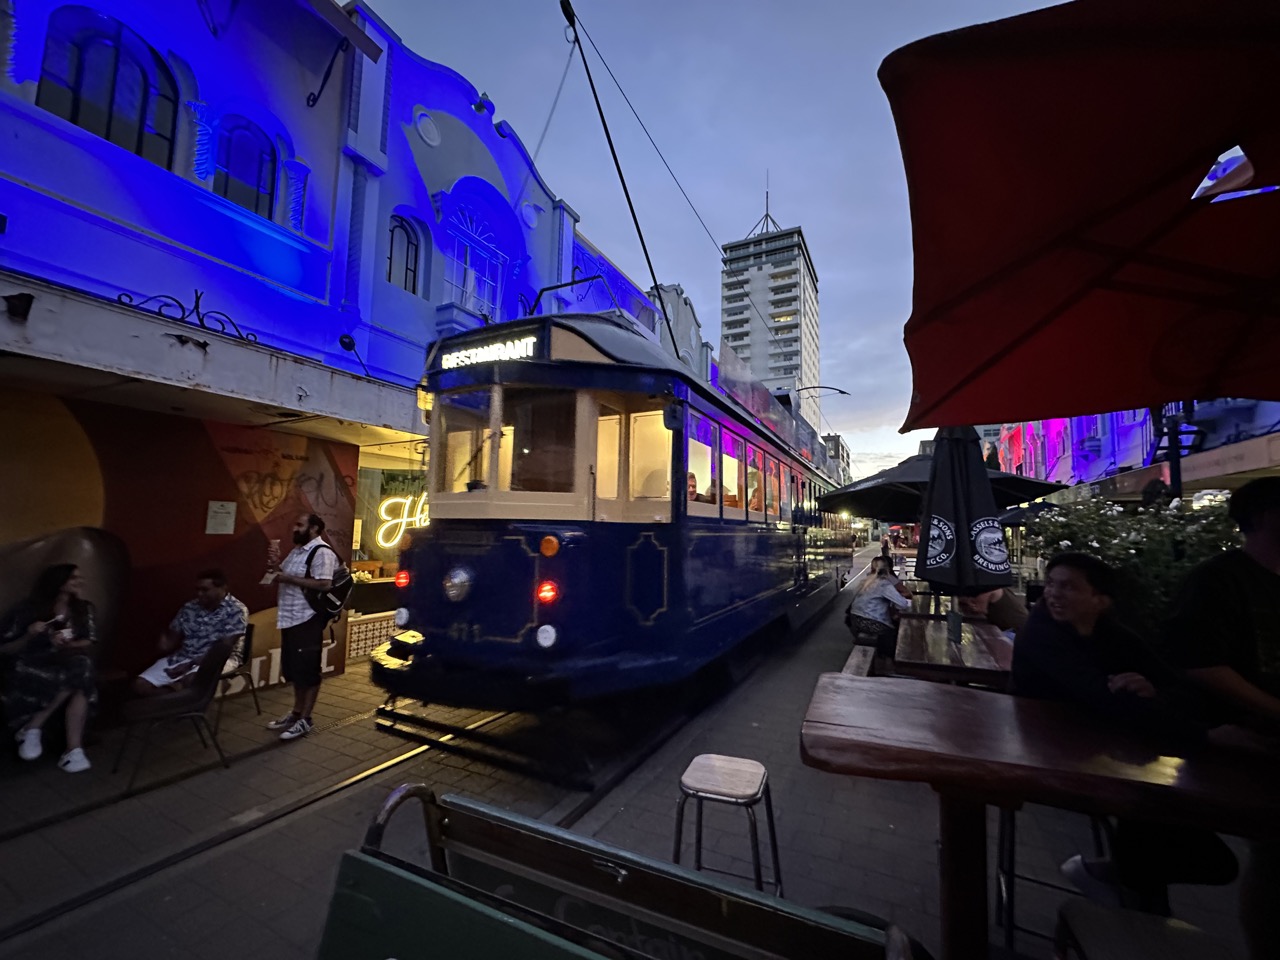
pixel 310 565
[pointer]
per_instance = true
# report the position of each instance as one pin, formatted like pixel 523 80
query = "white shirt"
pixel 291 605
pixel 873 602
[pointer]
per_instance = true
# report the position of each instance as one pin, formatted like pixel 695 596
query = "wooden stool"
pixel 733 780
pixel 1092 932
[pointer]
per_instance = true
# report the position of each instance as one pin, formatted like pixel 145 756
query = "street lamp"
pixel 818 386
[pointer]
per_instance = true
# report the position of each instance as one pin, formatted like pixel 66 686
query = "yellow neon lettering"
pixel 398 515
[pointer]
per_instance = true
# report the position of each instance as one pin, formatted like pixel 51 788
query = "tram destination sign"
pixel 521 349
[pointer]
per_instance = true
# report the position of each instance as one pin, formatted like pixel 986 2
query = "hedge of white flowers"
pixel 1152 547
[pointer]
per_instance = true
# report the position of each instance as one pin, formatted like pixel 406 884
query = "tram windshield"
pixel 463 419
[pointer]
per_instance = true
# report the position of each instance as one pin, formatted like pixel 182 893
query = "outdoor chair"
pixel 1007 875
pixel 244 670
pixel 187 703
pixel 735 781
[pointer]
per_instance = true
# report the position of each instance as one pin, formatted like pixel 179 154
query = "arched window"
pixel 100 75
pixel 402 257
pixel 245 166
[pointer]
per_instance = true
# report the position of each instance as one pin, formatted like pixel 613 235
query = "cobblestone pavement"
pixel 845 841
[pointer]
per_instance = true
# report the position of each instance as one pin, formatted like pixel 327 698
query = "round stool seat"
pixel 734 779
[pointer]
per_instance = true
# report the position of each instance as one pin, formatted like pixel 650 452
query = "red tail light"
pixel 547 592
pixel 402 578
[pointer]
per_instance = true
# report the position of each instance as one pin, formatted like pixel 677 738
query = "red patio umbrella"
pixel 1061 265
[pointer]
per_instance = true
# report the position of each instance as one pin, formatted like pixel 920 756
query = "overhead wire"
pixel 719 247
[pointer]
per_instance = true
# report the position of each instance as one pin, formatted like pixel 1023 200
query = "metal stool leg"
pixel 1008 820
pixel 755 849
pixel 697 833
pixel 204 744
pixel 675 853
pixel 773 840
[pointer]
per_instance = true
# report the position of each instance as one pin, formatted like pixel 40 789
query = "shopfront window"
pixel 650 476
pixel 702 442
pixel 731 472
pixel 755 479
pixel 536 452
pixel 464 427
pixel 608 452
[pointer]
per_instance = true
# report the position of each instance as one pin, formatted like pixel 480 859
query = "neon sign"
pixel 398 515
pixel 521 349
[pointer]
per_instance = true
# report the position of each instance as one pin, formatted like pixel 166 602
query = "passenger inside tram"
pixel 694 495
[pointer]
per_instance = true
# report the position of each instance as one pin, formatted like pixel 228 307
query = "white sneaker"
pixel 30 744
pixel 1094 888
pixel 282 723
pixel 300 728
pixel 74 761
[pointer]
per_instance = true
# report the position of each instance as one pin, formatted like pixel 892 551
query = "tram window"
pixel 784 497
pixel 771 486
pixel 537 445
pixel 701 478
pixel 731 471
pixel 464 423
pixel 650 456
pixel 755 479
pixel 608 452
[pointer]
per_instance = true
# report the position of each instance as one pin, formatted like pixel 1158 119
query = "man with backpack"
pixel 303 609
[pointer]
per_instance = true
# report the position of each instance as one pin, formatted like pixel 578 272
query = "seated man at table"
pixel 1073 650
pixel 1000 607
pixel 1225 632
pixel 212 615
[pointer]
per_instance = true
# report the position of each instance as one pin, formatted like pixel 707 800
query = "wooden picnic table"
pixel 976 747
pixel 925 651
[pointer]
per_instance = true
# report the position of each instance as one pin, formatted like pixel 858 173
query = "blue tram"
pixel 601 520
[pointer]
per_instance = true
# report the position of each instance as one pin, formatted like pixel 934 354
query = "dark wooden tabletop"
pixel 1009 750
pixel 926 641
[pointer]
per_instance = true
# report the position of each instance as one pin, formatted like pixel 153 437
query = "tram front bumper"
pixel 405 667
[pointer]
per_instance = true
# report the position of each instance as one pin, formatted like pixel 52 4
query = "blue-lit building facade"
pixel 1221 444
pixel 229 234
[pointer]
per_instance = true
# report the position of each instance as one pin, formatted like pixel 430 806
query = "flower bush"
pixel 1153 547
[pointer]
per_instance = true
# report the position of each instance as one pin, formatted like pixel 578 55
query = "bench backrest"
pixel 637 906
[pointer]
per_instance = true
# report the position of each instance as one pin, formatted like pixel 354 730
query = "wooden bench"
pixel 859 662
pixel 501 885
pixel 1087 931
pixel 983 655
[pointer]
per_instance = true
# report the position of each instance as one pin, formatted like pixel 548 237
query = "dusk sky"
pixel 728 91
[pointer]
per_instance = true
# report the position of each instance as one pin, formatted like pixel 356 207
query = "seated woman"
pixel 869 614
pixel 52 634
pixel 1072 649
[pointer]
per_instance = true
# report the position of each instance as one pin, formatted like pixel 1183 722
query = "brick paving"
pixel 844 841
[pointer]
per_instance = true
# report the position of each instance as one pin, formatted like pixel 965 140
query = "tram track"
pixel 575 804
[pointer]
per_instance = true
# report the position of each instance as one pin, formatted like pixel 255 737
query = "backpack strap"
pixel 312 553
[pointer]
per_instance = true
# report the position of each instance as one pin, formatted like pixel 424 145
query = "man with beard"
pixel 310 565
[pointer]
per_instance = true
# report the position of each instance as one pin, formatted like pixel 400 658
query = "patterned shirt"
pixel 291 604
pixel 199 627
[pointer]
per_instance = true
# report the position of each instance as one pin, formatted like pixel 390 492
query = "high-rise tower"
pixel 769 310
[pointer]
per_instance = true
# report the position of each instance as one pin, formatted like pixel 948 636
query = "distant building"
pixel 838 451
pixel 769 311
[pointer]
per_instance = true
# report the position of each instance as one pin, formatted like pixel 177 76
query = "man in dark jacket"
pixel 1073 650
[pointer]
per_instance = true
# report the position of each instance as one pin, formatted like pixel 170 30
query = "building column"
pixel 297 171
pixel 8 46
pixel 355 236
pixel 202 160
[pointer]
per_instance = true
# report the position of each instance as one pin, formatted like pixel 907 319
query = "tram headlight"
pixel 546 636
pixel 457 583
pixel 402 616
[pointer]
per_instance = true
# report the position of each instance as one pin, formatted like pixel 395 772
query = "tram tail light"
pixel 402 578
pixel 547 592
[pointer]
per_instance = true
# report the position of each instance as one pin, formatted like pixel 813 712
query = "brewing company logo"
pixel 942 542
pixel 990 552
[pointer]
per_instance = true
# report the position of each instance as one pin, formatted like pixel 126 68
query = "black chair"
pixel 186 703
pixel 244 670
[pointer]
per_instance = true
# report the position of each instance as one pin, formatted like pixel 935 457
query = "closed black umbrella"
pixel 898 493
pixel 962 547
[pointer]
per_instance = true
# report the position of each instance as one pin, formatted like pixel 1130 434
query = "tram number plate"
pixel 463 632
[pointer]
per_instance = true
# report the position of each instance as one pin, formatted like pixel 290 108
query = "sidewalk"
pixel 844 841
